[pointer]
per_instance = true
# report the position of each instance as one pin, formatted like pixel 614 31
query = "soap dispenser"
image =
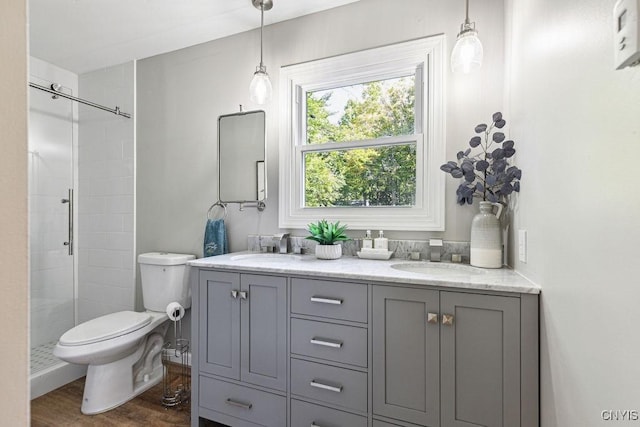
pixel 367 242
pixel 381 242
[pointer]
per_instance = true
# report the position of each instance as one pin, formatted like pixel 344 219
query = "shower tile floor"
pixel 42 357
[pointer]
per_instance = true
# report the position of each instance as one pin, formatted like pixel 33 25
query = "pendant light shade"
pixel 260 89
pixel 467 53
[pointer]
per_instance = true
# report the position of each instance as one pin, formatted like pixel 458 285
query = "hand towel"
pixel 215 238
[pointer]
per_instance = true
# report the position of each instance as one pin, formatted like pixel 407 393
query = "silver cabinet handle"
pixel 326 342
pixel 234 294
pixel 313 424
pixel 447 319
pixel 239 404
pixel 324 300
pixel 432 318
pixel 243 294
pixel 316 384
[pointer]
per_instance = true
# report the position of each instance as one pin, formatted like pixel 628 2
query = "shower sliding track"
pixel 55 92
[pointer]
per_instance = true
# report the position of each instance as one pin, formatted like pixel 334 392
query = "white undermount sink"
pixel 438 269
pixel 266 257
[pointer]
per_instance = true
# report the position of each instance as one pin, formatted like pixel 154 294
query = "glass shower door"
pixel 52 290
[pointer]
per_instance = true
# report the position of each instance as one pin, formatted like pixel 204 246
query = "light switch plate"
pixel 626 37
pixel 522 245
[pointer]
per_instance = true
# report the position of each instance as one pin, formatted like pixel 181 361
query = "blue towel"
pixel 215 238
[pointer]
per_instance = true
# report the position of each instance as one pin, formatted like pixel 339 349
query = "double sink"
pixel 417 267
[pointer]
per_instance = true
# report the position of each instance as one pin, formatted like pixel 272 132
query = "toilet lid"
pixel 105 327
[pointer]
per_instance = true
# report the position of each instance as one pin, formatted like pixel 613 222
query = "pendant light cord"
pixel 466 20
pixel 261 27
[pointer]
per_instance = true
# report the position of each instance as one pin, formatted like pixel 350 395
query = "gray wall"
pixel 181 94
pixel 105 195
pixel 576 122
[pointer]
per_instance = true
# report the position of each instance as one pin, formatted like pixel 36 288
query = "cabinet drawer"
pixel 338 386
pixel 340 343
pixel 244 403
pixel 334 300
pixel 307 414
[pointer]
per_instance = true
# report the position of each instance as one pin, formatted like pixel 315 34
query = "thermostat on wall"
pixel 626 37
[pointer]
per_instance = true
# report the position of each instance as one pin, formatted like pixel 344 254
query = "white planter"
pixel 329 251
pixel 486 237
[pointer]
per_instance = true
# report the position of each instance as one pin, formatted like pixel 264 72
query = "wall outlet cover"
pixel 522 245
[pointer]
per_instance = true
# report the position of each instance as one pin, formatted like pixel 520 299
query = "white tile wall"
pixel 106 196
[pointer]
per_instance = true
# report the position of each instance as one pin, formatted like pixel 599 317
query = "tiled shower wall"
pixel 106 199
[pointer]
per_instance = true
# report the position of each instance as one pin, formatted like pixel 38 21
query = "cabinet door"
pixel 219 324
pixel 480 360
pixel 263 311
pixel 406 377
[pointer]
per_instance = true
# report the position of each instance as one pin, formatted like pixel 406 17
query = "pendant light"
pixel 260 88
pixel 467 53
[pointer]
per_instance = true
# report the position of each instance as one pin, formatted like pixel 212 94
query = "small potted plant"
pixel 327 234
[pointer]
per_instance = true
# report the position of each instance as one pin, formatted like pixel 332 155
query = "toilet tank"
pixel 165 279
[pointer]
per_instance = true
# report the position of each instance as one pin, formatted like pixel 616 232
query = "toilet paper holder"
pixel 176 378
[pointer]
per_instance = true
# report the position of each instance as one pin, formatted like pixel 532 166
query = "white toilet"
pixel 123 349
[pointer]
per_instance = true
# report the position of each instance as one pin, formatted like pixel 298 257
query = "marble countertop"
pixel 437 274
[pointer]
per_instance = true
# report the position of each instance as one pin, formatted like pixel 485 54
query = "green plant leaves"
pixel 327 233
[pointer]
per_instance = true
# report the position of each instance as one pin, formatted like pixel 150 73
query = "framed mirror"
pixel 242 157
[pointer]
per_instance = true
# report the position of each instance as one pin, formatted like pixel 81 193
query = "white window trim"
pixel 428 213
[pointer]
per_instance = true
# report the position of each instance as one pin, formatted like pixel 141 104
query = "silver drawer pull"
pixel 326 342
pixel 324 300
pixel 313 424
pixel 316 384
pixel 239 404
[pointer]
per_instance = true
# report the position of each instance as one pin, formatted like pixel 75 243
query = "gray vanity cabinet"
pixel 245 327
pixel 219 311
pixel 480 360
pixel 242 348
pixel 453 352
pixel 406 355
pixel 294 351
pixel 263 330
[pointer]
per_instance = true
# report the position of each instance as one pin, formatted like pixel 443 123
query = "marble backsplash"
pixel 402 249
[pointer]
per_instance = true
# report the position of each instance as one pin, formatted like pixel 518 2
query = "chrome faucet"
pixel 282 239
pixel 435 249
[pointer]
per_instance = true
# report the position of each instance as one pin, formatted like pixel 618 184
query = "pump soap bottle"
pixel 381 242
pixel 367 242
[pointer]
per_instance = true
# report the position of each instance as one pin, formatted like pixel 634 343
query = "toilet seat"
pixel 105 327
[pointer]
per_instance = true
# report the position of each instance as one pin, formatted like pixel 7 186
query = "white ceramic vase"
pixel 486 237
pixel 329 251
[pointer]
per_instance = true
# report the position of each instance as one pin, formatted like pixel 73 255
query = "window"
pixel 362 138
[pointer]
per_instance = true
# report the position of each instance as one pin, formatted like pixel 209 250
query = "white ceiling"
pixel 84 35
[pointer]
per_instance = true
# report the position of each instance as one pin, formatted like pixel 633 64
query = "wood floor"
pixel 61 407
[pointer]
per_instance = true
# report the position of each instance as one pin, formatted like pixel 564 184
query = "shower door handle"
pixel 69 201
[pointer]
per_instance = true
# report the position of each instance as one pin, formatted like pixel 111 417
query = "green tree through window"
pixel 381 175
